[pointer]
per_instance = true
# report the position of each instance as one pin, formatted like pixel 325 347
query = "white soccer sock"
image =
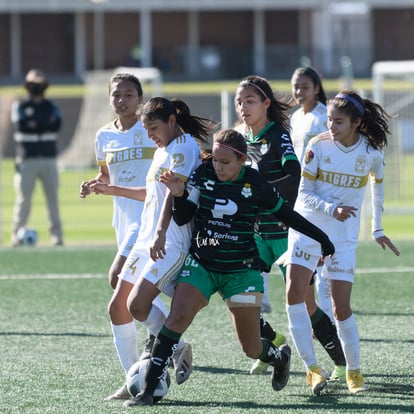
pixel 300 329
pixel 266 300
pixel 323 293
pixel 126 344
pixel 156 318
pixel 349 337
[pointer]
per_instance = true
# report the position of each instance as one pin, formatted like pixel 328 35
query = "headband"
pixel 248 83
pixel 230 148
pixel 349 98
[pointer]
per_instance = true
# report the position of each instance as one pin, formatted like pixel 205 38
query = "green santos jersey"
pixel 271 152
pixel 223 236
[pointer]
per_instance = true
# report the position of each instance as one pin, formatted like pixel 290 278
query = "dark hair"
pixel 233 140
pixel 162 108
pixel 374 119
pixel 120 77
pixel 315 78
pixel 278 110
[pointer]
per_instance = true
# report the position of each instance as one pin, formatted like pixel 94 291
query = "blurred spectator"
pixel 36 122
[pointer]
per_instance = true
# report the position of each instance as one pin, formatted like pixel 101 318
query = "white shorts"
pixel 339 267
pixel 163 273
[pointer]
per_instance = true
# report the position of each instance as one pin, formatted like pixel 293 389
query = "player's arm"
pixel 101 177
pixel 135 193
pixel 288 185
pixel 184 202
pixel 294 220
pixel 157 250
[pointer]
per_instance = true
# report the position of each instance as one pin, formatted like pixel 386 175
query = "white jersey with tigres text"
pixel 335 175
pixel 128 156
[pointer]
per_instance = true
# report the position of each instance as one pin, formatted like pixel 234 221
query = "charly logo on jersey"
pixel 209 185
pixel 178 159
pixel 264 147
pixel 246 190
pixel 138 138
pixel 360 163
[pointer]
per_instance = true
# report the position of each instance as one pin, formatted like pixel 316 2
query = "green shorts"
pixel 270 250
pixel 228 284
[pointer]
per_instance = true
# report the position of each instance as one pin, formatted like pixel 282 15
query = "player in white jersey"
pixel 171 126
pixel 337 167
pixel 309 120
pixel 124 154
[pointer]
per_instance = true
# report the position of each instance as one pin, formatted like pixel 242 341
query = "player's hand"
pixel 85 189
pixel 328 249
pixel 174 183
pixel 343 213
pixel 101 188
pixel 385 242
pixel 157 250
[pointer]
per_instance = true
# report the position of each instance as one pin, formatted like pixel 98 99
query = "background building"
pixel 193 39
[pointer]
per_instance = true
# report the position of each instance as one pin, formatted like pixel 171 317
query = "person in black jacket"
pixel 36 122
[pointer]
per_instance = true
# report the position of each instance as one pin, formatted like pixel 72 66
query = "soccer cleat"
pixel 140 399
pixel 316 378
pixel 260 367
pixel 121 394
pixel 183 363
pixel 146 353
pixel 355 381
pixel 280 375
pixel 338 374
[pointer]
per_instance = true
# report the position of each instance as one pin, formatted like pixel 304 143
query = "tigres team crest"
pixel 309 156
pixel 246 191
pixel 360 163
pixel 138 138
pixel 178 159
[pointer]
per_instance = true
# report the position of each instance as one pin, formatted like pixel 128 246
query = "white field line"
pixel 59 276
pixel 51 276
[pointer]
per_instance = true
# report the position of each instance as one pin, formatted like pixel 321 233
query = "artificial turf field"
pixel 58 355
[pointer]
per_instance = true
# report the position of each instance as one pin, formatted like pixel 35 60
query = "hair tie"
pixel 230 148
pixel 248 83
pixel 356 103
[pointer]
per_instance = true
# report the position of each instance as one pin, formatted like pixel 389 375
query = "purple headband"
pixel 349 98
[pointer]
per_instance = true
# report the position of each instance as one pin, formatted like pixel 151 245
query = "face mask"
pixel 36 88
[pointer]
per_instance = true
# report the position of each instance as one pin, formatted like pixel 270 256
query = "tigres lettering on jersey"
pixel 128 155
pixel 223 237
pixel 339 176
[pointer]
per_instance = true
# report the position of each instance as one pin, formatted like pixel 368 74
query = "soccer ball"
pixel 27 236
pixel 135 380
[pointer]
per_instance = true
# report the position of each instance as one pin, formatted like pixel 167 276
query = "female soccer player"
pixel 270 150
pixel 124 153
pixel 337 167
pixel 174 130
pixel 224 196
pixel 309 120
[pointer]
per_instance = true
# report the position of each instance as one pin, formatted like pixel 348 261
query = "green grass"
pixel 58 356
pixel 88 221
